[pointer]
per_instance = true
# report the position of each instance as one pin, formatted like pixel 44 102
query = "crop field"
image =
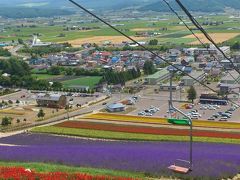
pixel 90 81
pixel 101 40
pixel 217 37
pixel 211 160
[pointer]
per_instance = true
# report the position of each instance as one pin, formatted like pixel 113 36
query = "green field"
pixel 45 168
pixel 125 136
pixel 174 29
pixel 90 81
pixel 45 76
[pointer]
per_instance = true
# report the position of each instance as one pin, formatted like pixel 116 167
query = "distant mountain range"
pixel 194 5
pixel 33 8
pixel 93 4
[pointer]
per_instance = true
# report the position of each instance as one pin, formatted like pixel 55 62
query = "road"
pixel 15 49
pixel 64 117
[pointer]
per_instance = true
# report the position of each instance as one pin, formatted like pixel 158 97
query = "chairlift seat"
pixel 176 167
pixel 179 169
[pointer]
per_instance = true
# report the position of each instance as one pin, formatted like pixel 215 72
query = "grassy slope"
pixel 84 81
pixel 42 167
pixel 125 136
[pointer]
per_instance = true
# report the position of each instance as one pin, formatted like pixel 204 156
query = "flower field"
pixel 154 120
pixel 146 130
pixel 211 160
pixel 22 173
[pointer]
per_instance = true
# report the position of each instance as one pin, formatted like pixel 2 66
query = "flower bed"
pixel 154 120
pixel 146 130
pixel 22 173
pixel 211 160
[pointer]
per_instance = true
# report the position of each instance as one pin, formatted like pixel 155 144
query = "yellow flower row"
pixel 140 119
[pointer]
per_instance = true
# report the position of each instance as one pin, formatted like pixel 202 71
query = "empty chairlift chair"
pixel 181 166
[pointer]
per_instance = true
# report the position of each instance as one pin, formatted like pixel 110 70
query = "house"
pixel 228 88
pixel 51 100
pixel 231 78
pixel 226 64
pixel 188 81
pixel 158 77
pixel 115 107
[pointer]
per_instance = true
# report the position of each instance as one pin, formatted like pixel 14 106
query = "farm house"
pixel 51 100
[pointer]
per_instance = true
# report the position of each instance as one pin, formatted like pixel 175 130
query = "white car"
pixel 148 114
pixel 141 113
pixel 203 107
pixel 211 108
pixel 223 119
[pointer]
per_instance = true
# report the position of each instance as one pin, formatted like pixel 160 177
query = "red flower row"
pixel 20 173
pixel 147 130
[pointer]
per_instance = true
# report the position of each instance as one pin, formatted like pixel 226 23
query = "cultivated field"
pixel 83 81
pixel 101 40
pixel 144 29
pixel 217 37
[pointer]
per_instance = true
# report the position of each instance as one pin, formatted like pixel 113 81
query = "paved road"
pixel 63 117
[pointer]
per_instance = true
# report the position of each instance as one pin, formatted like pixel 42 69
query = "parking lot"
pixel 145 105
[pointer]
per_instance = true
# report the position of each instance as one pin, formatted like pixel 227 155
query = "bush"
pixel 6 121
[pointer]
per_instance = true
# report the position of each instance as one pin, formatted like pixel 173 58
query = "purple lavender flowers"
pixel 210 160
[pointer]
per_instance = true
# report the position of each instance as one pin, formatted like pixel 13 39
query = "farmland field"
pixel 101 39
pixel 211 161
pixel 90 81
pixel 217 37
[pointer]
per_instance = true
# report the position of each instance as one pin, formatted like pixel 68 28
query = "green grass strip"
pixel 125 136
pixel 45 168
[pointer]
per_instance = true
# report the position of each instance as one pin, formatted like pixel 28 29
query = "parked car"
pixel 148 114
pixel 203 107
pixel 215 115
pixel 212 108
pixel 223 119
pixel 211 118
pixel 226 115
pixel 141 113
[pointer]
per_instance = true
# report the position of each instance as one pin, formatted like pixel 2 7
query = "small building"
pixel 51 100
pixel 231 78
pixel 115 107
pixel 229 88
pixel 188 81
pixel 158 77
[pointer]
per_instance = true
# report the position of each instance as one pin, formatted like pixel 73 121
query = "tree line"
pixel 112 77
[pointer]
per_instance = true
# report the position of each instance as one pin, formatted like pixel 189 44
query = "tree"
pixel 192 94
pixel 55 70
pixel 153 42
pixel 20 41
pixel 6 121
pixel 149 68
pixel 57 86
pixel 41 114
